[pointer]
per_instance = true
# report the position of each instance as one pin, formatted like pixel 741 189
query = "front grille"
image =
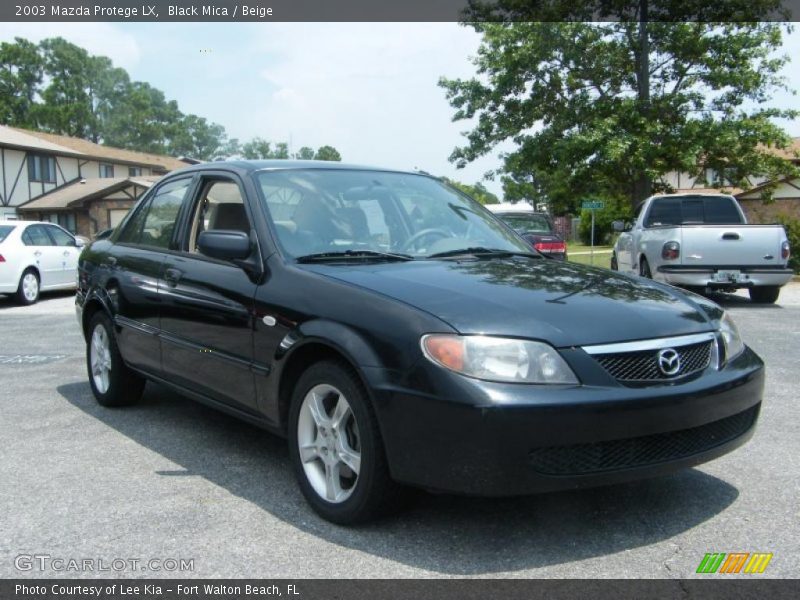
pixel 613 455
pixel 641 367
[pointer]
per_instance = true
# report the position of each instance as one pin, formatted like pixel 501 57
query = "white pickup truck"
pixel 703 241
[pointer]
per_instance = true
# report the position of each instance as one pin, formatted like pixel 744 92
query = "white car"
pixel 36 257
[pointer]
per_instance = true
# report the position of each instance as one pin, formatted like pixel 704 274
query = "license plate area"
pixel 727 276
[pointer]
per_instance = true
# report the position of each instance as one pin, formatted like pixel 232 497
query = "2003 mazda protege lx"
pixel 398 333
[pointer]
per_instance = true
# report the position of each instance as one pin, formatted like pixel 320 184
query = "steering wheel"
pixel 410 242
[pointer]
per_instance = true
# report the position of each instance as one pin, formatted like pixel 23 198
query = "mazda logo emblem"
pixel 669 361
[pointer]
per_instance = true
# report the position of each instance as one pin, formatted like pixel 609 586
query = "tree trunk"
pixel 643 186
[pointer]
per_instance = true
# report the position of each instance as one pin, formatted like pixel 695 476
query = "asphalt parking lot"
pixel 173 479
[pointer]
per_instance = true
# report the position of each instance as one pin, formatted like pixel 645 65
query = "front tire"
pixel 614 265
pixel 28 288
pixel 336 447
pixel 767 294
pixel 113 383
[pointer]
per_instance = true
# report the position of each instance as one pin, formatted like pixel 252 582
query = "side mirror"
pixel 224 244
pixel 79 242
pixel 621 226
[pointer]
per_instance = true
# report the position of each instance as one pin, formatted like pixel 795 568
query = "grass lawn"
pixel 580 254
pixel 600 259
pixel 578 247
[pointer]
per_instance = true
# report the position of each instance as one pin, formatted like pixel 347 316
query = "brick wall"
pixel 98 212
pixel 760 212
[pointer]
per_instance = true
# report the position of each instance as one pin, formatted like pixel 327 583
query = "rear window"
pixel 693 210
pixel 522 223
pixel 4 231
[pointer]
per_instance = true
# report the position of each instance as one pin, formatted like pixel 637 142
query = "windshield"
pixel 348 211
pixel 525 223
pixel 4 231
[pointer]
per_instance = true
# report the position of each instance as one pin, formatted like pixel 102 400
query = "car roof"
pixel 250 166
pixel 18 222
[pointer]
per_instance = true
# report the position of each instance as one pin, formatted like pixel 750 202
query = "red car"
pixel 537 229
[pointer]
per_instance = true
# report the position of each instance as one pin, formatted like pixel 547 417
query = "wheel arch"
pixel 97 300
pixel 314 343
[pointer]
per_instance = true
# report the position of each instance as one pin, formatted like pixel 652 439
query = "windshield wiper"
pixel 353 254
pixel 482 251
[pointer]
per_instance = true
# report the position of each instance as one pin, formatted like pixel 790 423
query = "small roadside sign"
pixel 593 205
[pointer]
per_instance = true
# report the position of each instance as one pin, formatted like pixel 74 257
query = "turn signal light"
pixel 2 259
pixel 671 251
pixel 448 350
pixel 785 252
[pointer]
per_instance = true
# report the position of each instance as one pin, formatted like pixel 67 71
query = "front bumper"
pixel 465 436
pixel 707 277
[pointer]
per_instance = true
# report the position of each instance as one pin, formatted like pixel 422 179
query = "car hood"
pixel 565 304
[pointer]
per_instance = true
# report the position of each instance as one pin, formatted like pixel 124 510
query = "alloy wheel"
pixel 100 355
pixel 329 443
pixel 30 287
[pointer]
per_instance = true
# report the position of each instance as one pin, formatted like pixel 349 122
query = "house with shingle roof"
pixel 784 193
pixel 82 186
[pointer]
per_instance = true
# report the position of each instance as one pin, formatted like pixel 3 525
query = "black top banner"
pixel 399 10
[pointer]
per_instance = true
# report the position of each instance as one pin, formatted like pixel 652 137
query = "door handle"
pixel 172 276
pixel 730 235
pixel 66 252
pixel 37 253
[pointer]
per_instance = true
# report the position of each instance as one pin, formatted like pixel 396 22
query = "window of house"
pixel 67 220
pixel 154 222
pixel 106 170
pixel 134 171
pixel 41 168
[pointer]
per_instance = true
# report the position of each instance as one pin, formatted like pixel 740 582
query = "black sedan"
pixel 397 333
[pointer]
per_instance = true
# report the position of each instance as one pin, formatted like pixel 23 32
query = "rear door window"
pixel 154 223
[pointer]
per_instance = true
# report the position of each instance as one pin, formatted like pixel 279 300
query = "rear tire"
pixel 767 294
pixel 334 490
pixel 28 288
pixel 113 383
pixel 644 268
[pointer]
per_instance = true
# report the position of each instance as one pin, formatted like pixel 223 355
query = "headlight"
pixel 731 339
pixel 498 359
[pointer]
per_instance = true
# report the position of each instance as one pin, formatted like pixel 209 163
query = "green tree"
pixel 20 78
pixel 142 120
pixel 610 108
pixel 305 153
pixel 328 153
pixel 259 148
pixel 67 102
pixel 476 191
pixel 197 138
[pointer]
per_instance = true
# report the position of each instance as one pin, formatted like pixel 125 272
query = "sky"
pixel 368 89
